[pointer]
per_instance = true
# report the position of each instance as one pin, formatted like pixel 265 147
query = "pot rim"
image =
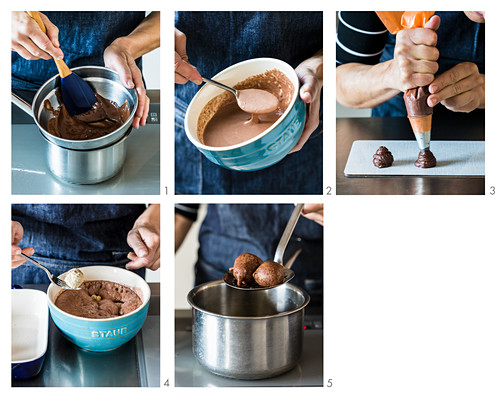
pixel 295 98
pixel 201 287
pixel 112 144
pixel 89 142
pixel 147 297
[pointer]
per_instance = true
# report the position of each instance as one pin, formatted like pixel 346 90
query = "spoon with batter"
pixel 286 271
pixel 253 101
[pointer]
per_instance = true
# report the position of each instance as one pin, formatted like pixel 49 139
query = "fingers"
pixel 146 246
pixel 310 93
pixel 313 212
pixel 310 87
pixel 141 114
pixel 52 31
pixel 180 44
pixel 416 55
pixel 185 72
pixel 30 42
pixel 308 208
pixel 311 124
pixel 426 37
pixel 16 259
pixel 433 23
pixel 452 76
pixel 460 89
pixel 16 232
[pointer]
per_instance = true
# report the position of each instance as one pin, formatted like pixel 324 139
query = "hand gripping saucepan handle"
pixel 292 222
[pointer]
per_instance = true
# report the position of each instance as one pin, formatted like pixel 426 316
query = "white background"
pixel 412 305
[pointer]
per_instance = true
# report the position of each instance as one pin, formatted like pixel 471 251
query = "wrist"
pixel 125 45
pixel 150 217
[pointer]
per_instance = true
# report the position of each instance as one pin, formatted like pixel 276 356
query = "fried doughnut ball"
pixel 244 266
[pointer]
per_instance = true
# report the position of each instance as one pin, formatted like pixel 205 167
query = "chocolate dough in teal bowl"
pixel 282 131
pixel 102 334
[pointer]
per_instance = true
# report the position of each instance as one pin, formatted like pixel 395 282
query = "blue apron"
pixel 65 236
pixel 459 40
pixel 231 229
pixel 83 37
pixel 217 40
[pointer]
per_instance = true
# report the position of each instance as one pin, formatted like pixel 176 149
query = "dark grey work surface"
pixel 140 174
pixel 135 364
pixel 457 128
pixel 190 373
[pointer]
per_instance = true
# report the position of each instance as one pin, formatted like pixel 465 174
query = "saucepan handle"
pixel 26 107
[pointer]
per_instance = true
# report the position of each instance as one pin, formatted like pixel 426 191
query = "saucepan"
pixel 269 147
pixel 84 161
pixel 247 334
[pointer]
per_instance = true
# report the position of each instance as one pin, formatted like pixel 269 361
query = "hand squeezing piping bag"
pixel 419 113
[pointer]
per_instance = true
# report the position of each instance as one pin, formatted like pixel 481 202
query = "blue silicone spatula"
pixel 77 95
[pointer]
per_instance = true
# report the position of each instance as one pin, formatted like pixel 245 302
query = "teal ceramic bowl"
pixel 264 150
pixel 102 335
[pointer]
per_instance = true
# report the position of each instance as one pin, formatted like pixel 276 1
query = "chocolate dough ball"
pixel 383 158
pixel 269 274
pixel 243 268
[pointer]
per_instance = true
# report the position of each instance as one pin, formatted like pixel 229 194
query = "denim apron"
pixel 217 40
pixel 459 40
pixel 231 229
pixel 65 236
pixel 83 37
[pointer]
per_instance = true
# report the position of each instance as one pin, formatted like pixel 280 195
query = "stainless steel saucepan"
pixel 84 161
pixel 247 334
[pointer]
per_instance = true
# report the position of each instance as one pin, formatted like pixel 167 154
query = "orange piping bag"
pixel 395 21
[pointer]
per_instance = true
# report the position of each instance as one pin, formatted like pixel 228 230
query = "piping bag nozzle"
pixel 422 130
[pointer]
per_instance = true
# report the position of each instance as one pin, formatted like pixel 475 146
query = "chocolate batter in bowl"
pixel 255 151
pixel 103 334
pixel 84 161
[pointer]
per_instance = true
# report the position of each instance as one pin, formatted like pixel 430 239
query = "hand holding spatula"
pixel 77 95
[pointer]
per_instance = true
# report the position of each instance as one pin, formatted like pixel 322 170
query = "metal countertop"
pixel 460 127
pixel 190 373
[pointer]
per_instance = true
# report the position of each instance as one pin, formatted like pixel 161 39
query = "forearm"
pixel 145 37
pixel 182 227
pixel 364 86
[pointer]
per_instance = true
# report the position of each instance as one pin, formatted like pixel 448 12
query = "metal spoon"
pixel 278 255
pixel 266 103
pixel 220 85
pixel 54 279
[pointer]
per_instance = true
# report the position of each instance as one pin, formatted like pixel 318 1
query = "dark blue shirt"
pixel 83 37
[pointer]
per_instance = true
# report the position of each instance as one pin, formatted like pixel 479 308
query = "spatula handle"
pixel 60 64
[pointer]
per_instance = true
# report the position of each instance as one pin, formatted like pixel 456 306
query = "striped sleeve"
pixel 189 211
pixel 361 37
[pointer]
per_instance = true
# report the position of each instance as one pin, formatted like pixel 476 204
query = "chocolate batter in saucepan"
pixel 105 117
pixel 224 122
